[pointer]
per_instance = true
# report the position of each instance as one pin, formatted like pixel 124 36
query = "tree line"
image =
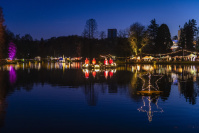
pixel 137 39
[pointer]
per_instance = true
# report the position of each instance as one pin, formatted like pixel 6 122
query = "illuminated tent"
pixel 147 58
pixel 166 57
pixel 191 57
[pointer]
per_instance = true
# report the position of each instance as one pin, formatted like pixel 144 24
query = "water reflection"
pixel 150 92
pixel 3 94
pixel 127 80
pixel 150 106
pixel 12 75
pixel 132 77
pixel 108 73
pixel 148 82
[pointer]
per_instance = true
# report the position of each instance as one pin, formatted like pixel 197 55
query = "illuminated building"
pixel 175 45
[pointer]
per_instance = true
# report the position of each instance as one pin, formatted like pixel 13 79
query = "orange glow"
pixel 9 60
pixel 94 73
pixel 93 61
pixel 86 74
pixel 86 61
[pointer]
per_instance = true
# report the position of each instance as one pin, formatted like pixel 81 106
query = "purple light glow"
pixel 12 75
pixel 12 51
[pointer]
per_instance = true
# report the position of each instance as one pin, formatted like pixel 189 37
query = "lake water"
pixel 62 98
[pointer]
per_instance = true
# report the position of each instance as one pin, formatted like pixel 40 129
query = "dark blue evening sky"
pixel 49 18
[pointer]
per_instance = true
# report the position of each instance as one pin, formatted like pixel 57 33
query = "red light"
pixel 106 74
pixel 110 74
pixel 86 74
pixel 93 61
pixel 110 61
pixel 105 62
pixel 94 73
pixel 86 61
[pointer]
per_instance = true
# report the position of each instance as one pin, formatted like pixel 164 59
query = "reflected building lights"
pixel 86 72
pixel 94 73
pixel 106 74
pixel 138 67
pixel 148 67
pixel 111 74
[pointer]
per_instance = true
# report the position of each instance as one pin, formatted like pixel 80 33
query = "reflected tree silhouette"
pixel 121 81
pixel 3 93
pixel 187 89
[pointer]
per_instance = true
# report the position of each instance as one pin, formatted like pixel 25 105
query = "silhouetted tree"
pixel 90 29
pixel 102 35
pixel 153 31
pixel 197 40
pixel 27 37
pixel 152 35
pixel 138 37
pixel 175 37
pixel 2 34
pixel 163 41
pixel 123 47
pixel 122 34
pixel 187 34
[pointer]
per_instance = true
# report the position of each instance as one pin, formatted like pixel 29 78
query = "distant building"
pixel 112 33
pixel 175 45
pixel 179 33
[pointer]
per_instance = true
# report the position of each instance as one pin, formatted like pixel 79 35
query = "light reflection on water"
pixel 64 97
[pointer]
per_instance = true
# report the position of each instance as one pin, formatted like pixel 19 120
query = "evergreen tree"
pixel 153 31
pixel 163 41
pixel 197 40
pixel 152 35
pixel 187 34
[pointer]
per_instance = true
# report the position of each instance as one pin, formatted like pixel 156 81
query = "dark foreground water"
pixel 60 98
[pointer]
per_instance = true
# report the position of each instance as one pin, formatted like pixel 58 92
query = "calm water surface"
pixel 62 98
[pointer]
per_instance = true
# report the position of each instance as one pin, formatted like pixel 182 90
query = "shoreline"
pixel 119 63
